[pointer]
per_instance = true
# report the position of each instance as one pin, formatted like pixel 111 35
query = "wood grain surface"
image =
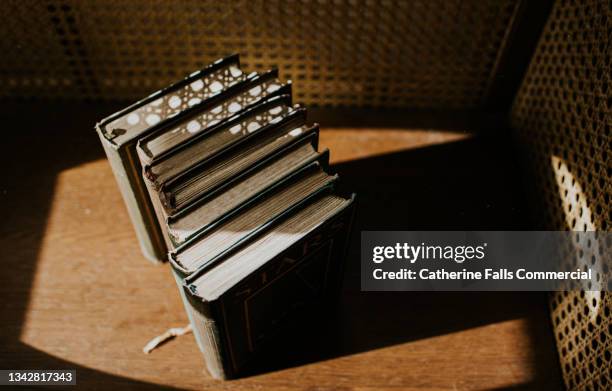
pixel 78 294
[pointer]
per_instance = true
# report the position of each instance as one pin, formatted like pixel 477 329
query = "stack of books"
pixel 222 177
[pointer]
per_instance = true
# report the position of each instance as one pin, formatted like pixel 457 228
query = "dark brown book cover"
pixel 243 320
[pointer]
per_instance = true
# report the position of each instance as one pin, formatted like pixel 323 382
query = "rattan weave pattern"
pixel 418 54
pixel 562 120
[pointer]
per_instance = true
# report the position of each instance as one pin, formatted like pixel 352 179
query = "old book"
pixel 120 132
pixel 242 298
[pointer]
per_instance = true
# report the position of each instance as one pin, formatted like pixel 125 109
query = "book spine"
pixel 134 197
pixel 206 331
pixel 179 283
pixel 291 289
